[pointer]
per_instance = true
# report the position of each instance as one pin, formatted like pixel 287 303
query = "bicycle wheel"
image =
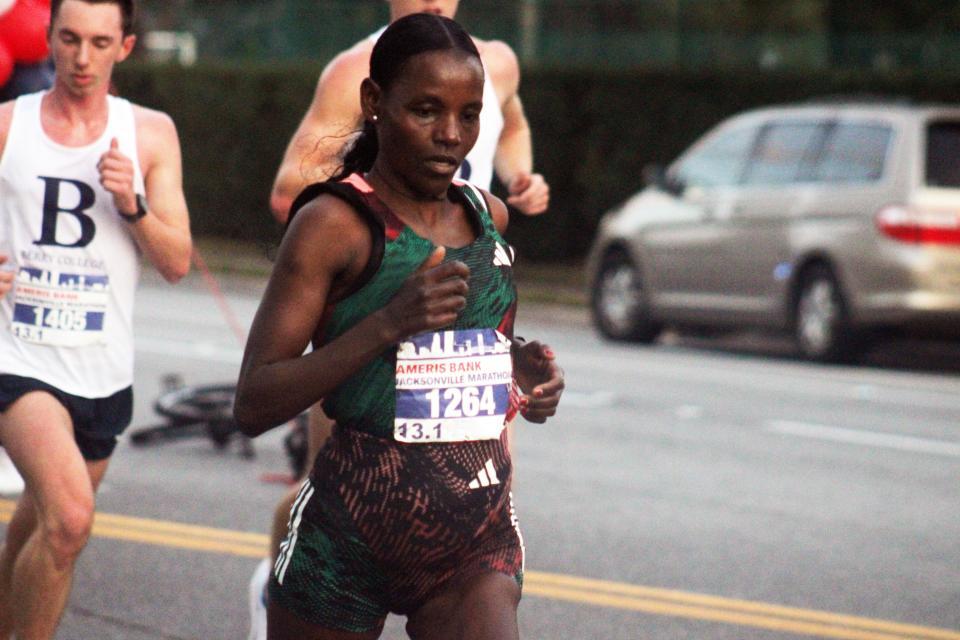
pixel 202 403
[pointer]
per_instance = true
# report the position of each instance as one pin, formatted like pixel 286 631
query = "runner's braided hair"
pixel 411 35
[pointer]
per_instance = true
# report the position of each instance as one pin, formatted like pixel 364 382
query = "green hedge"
pixel 234 123
pixel 593 133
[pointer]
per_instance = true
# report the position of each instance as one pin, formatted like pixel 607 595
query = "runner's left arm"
pixel 163 235
pixel 513 160
pixel 540 378
pixel 534 364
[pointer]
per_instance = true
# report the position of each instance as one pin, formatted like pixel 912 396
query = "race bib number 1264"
pixel 452 386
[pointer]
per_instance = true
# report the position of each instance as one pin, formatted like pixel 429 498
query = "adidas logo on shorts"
pixel 485 477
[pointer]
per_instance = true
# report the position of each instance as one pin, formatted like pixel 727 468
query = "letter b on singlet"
pixel 52 210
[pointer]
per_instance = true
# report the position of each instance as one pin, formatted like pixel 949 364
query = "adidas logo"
pixel 486 476
pixel 503 256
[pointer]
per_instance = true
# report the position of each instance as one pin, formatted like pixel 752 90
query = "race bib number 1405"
pixel 452 386
pixel 59 309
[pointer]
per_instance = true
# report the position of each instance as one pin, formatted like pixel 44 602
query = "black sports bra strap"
pixel 374 222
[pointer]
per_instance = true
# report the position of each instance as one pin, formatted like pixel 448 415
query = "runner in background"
pixel 332 119
pixel 90 183
pixel 315 153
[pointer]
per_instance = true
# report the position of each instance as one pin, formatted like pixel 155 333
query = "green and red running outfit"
pixel 382 526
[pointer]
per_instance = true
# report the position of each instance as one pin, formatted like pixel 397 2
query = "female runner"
pixel 401 280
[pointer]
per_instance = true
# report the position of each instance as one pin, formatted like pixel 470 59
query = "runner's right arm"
pixel 6 277
pixel 313 153
pixel 277 381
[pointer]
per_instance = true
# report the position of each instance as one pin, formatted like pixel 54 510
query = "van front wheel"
pixel 821 320
pixel 618 302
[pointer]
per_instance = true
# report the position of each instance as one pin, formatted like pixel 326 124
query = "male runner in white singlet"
pixel 89 183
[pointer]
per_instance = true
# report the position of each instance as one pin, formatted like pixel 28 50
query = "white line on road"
pixel 866 438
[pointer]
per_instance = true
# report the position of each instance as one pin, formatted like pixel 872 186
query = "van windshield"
pixel 943 154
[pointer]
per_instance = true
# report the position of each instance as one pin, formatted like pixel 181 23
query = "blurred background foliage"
pixel 608 85
pixel 796 34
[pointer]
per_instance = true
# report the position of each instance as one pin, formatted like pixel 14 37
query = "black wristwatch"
pixel 141 210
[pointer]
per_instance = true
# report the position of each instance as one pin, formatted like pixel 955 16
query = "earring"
pixel 375 117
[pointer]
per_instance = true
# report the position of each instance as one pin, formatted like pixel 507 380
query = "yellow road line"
pixel 114 520
pixel 190 530
pixel 590 591
pixel 180 542
pixel 590 584
pixel 827 629
pixel 170 534
pixel 703 613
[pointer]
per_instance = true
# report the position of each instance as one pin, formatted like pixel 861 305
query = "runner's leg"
pixel 38 434
pixel 319 428
pixel 20 527
pixel 281 515
pixel 11 484
pixel 284 625
pixel 483 607
pixel 19 530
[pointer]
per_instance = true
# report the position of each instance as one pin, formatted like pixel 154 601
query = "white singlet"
pixel 68 320
pixel 477 167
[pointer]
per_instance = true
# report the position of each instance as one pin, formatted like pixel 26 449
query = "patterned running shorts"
pixel 383 527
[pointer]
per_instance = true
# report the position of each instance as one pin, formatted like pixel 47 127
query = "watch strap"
pixel 141 210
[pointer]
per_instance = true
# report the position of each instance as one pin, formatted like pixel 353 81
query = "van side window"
pixel 943 150
pixel 853 153
pixel 719 160
pixel 784 152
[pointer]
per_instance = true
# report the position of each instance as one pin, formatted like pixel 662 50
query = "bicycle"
pixel 207 410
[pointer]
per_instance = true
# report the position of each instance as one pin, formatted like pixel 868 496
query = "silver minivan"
pixel 829 220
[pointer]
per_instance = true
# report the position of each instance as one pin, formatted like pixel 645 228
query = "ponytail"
pixel 360 154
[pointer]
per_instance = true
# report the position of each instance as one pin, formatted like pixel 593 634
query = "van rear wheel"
pixel 618 302
pixel 821 319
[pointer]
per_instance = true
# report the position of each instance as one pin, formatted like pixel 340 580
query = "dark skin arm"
pixel 277 381
pixel 540 378
pixel 534 364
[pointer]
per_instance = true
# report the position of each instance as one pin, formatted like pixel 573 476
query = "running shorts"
pixel 382 526
pixel 96 421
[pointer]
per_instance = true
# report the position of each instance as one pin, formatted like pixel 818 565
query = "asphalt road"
pixel 694 489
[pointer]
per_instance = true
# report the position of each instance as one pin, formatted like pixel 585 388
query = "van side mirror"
pixel 655 175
